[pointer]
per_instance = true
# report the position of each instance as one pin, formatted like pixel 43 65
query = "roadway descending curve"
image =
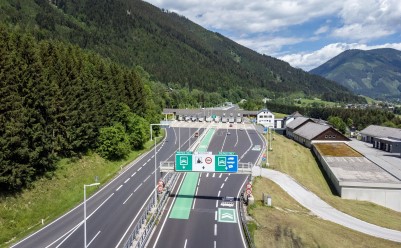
pixel 320 208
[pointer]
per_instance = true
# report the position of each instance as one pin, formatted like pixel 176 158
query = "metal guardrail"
pixel 244 224
pixel 144 226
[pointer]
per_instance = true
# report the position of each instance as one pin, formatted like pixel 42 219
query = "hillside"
pixel 374 73
pixel 171 48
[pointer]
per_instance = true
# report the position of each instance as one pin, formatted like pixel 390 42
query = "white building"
pixel 265 118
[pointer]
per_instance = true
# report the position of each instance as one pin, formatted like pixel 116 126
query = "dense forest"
pixel 359 118
pixel 55 101
pixel 171 48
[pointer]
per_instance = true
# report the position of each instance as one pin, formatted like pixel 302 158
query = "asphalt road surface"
pixel 206 226
pixel 116 205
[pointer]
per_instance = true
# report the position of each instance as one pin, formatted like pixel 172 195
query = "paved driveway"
pixel 391 162
pixel 320 208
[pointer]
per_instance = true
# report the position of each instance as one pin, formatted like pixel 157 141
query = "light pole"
pixel 85 185
pixel 151 131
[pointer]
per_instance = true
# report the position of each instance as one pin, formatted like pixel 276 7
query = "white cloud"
pixel 308 61
pixel 250 16
pixel 369 19
pixel 322 30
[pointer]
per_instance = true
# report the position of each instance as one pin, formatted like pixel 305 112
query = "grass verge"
pixel 288 224
pixel 49 198
pixel 298 162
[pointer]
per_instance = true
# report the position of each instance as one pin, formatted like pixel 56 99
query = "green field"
pixel 50 197
pixel 316 102
pixel 288 224
pixel 298 162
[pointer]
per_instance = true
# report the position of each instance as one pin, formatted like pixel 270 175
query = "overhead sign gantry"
pixel 206 162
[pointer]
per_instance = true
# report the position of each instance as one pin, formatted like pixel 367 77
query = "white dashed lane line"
pixel 146 179
pixel 138 187
pixel 215 229
pixel 119 187
pixel 139 168
pixel 127 198
pixel 133 174
pixel 127 180
pixel 222 186
pixel 225 180
pixel 218 195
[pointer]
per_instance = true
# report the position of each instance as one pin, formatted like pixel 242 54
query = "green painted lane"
pixel 183 203
pixel 185 197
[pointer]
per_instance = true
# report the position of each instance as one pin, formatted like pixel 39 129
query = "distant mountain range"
pixel 170 47
pixel 375 73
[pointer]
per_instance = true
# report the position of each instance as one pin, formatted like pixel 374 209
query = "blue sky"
pixel 305 33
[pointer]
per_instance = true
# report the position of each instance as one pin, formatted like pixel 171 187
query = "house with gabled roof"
pixel 311 132
pixel 295 124
pixel 384 138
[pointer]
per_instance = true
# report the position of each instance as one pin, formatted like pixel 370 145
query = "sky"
pixel 305 33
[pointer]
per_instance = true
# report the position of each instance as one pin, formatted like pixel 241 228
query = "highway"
pixel 114 208
pixel 205 226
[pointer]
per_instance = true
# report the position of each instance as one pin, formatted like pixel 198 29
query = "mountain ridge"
pixel 375 73
pixel 170 47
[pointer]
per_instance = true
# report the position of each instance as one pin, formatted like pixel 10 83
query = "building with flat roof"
pixel 384 138
pixel 357 178
pixel 265 117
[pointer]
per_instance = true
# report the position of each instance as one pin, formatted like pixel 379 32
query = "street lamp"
pixel 86 185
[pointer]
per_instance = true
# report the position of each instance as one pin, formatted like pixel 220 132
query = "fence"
pixel 144 226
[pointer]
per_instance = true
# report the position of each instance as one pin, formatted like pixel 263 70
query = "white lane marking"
pixel 207 175
pixel 185 244
pixel 93 239
pixel 196 193
pixel 137 187
pixel 133 174
pixel 200 175
pixel 139 168
pixel 214 174
pixel 136 216
pixel 76 227
pixel 215 229
pixel 127 180
pixel 218 193
pixel 225 180
pixel 215 244
pixel 217 203
pixel 237 209
pixel 215 215
pixel 127 198
pixel 168 213
pixel 150 159
pixel 146 179
pixel 136 161
pixel 144 164
pixel 220 175
pixel 198 181
pixel 222 186
pixel 119 187
pixel 100 205
pixel 79 224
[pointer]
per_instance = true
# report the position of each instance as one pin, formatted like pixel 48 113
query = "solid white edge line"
pixel 100 205
pixel 131 164
pixel 168 213
pixel 71 232
pixel 93 239
pixel 127 198
pixel 237 207
pixel 136 216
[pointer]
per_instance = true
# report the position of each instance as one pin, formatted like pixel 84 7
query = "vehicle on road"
pixel 256 148
pixel 196 134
